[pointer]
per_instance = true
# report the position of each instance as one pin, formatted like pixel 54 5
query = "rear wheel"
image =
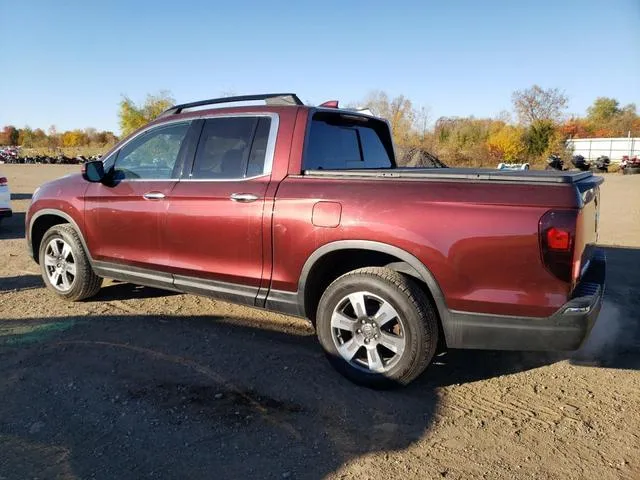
pixel 65 266
pixel 377 327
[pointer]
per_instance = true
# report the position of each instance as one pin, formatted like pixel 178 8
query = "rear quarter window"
pixel 338 141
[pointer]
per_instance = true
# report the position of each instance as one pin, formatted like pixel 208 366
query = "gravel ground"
pixel 142 383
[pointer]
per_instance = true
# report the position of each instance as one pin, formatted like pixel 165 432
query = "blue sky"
pixel 68 63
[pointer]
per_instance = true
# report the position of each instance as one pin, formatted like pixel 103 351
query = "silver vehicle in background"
pixel 5 198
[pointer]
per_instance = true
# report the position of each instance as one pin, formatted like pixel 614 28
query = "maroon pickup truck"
pixel 303 210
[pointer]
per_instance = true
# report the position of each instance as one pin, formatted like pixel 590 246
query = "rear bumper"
pixel 5 212
pixel 566 330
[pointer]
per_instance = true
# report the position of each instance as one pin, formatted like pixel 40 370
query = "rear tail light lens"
pixel 557 232
pixel 558 239
pixel 3 182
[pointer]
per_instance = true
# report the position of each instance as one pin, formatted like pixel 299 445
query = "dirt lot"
pixel 141 383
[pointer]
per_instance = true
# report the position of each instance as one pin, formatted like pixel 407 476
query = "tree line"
pixel 130 115
pixel 537 127
pixel 52 139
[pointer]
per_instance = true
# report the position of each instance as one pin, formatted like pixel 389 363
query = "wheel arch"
pixel 400 261
pixel 42 221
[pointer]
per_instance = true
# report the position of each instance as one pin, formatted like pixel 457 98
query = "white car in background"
pixel 513 166
pixel 5 198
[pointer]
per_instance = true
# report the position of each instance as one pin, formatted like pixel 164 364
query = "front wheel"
pixel 65 267
pixel 377 327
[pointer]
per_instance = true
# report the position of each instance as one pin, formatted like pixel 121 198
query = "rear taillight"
pixel 558 239
pixel 3 182
pixel 557 231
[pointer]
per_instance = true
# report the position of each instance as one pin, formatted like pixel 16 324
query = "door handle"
pixel 243 197
pixel 154 195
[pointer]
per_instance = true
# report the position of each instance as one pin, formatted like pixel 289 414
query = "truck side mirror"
pixel 93 171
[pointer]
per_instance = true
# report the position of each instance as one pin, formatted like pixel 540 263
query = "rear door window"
pixel 231 148
pixel 341 141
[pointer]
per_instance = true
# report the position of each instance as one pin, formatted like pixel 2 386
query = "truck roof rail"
pixel 270 98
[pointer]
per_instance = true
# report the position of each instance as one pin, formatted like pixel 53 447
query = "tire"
pixel 65 267
pixel 411 327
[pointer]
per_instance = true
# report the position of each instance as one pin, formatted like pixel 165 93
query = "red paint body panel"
pixel 481 243
pixel 65 194
pixel 208 235
pixel 124 227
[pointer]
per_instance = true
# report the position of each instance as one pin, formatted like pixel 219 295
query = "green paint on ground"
pixel 31 333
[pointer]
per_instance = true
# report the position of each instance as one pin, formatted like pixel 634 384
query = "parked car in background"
pixel 630 166
pixel 581 163
pixel 303 210
pixel 9 154
pixel 513 166
pixel 602 163
pixel 5 198
pixel 554 162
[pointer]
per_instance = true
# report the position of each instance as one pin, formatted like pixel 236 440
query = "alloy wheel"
pixel 368 332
